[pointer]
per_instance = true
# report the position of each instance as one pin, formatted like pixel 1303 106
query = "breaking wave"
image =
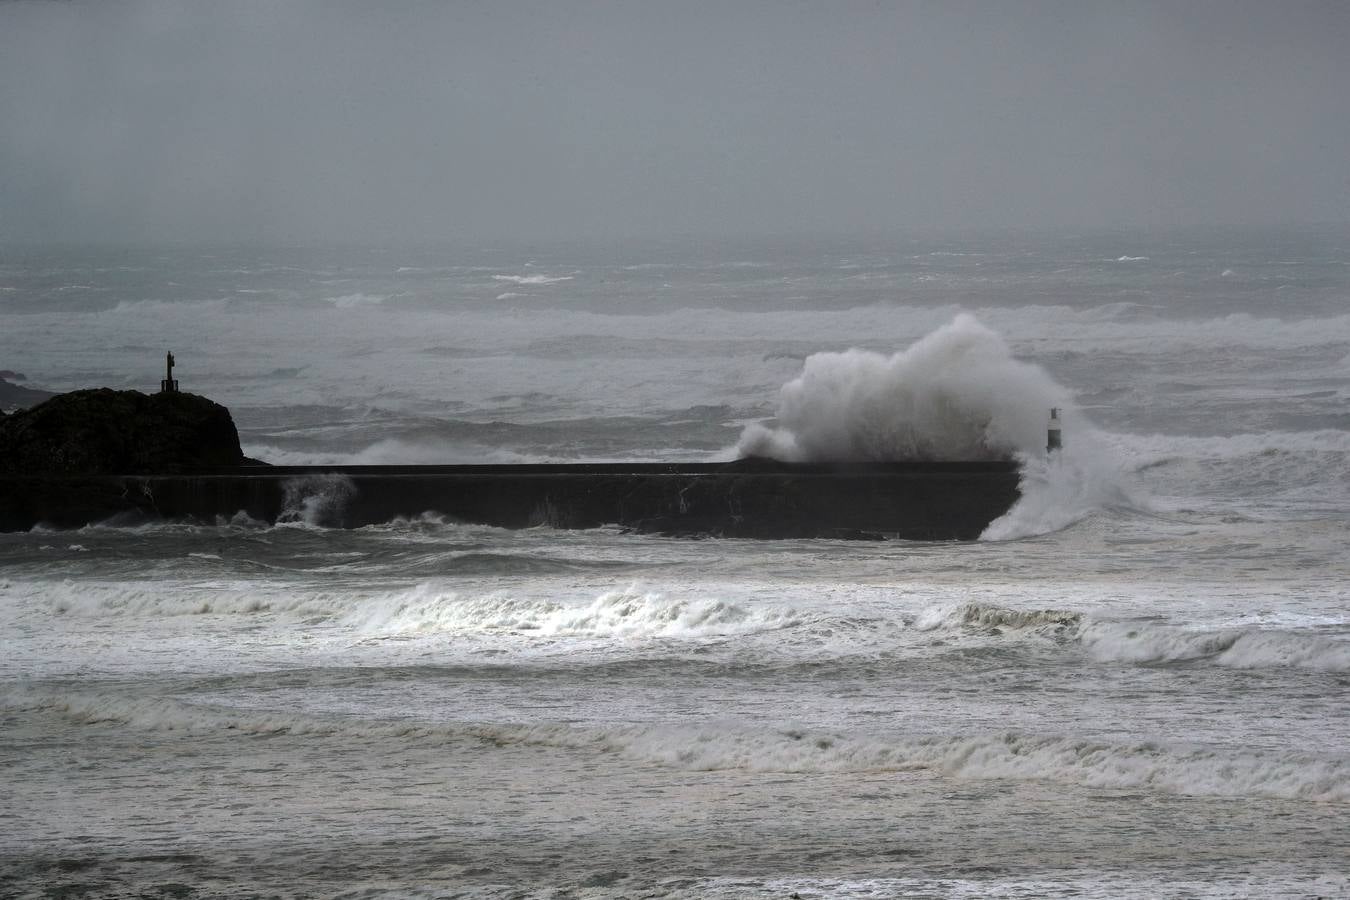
pixel 1325 445
pixel 1016 756
pixel 1264 463
pixel 1142 643
pixel 532 279
pixel 1187 770
pixel 352 301
pixel 985 615
pixel 316 500
pixel 158 599
pixel 1237 648
pixel 956 394
pixel 634 615
pixel 392 451
pixel 1058 491
pixel 625 614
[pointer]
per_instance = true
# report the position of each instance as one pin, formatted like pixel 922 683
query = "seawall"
pixel 748 498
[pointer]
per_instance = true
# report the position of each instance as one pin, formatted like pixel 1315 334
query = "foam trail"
pixel 956 394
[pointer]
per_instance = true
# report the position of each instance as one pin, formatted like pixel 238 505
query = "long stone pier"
pixel 751 498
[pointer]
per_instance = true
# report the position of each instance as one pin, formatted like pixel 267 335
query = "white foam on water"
pixel 1220 627
pixel 533 279
pixel 1232 647
pixel 1050 328
pixel 522 623
pixel 628 614
pixel 1063 488
pixel 1196 771
pixel 1145 643
pixel 160 599
pixel 1152 449
pixel 315 500
pixel 1269 881
pixel 364 343
pixel 351 301
pixel 1276 472
pixel 159 713
pixel 390 451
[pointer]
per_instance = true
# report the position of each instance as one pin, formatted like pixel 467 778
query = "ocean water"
pixel 1137 684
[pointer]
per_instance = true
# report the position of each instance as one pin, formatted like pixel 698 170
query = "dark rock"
pixel 14 397
pixel 107 432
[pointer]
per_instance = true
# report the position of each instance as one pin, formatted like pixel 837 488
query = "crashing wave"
pixel 956 394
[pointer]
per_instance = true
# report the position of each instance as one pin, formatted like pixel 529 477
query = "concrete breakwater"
pixel 754 498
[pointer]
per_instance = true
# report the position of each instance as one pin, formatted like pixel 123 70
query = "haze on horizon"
pixel 148 120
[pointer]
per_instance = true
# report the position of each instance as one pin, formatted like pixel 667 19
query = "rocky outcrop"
pixel 107 432
pixel 13 396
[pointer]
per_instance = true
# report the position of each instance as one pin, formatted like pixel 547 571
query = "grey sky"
pixel 313 121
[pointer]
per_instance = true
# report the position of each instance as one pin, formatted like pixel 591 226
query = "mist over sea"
pixel 1135 685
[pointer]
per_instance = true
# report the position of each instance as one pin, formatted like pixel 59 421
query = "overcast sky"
pixel 406 121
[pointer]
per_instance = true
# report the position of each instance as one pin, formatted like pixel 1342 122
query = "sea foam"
pixel 1189 770
pixel 1065 488
pixel 956 394
pixel 1236 648
pixel 316 500
pixel 533 279
pixel 628 614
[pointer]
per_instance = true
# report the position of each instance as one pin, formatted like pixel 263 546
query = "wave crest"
pixel 989 616
pixel 1140 643
pixel 1198 771
pixel 625 614
pixel 1234 648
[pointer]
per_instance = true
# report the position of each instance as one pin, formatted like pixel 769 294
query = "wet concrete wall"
pixel 747 498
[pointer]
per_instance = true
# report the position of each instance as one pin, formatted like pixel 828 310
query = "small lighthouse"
pixel 1054 440
pixel 169 385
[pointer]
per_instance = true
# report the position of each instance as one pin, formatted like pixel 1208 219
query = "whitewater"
pixel 1133 685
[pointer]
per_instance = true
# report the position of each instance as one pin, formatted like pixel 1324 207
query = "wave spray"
pixel 956 394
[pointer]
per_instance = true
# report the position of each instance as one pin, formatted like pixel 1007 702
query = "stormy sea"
pixel 1135 684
